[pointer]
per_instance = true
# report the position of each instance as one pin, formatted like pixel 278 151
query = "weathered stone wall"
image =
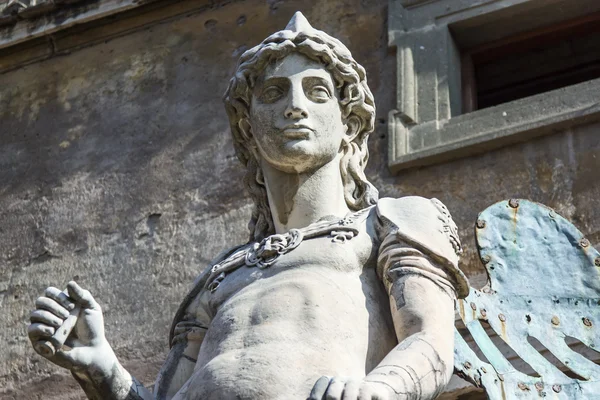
pixel 117 170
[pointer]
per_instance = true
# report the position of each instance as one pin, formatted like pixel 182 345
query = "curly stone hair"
pixel 356 103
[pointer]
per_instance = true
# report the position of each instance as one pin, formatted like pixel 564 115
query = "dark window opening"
pixel 531 63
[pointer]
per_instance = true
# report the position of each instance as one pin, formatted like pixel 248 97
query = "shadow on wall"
pixel 144 109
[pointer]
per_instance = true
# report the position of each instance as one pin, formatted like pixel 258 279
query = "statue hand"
pixel 86 347
pixel 351 389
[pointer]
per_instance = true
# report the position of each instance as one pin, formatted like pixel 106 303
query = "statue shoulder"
pixel 424 223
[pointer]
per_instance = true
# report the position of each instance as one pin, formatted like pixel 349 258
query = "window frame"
pixel 428 125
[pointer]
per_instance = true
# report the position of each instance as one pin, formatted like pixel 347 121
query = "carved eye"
pixel 271 94
pixel 319 93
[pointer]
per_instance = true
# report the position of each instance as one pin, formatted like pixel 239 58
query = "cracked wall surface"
pixel 117 169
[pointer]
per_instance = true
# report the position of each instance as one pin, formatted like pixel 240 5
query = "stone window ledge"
pixel 431 123
pixel 493 127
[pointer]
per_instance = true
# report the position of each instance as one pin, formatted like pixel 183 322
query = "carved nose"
pixel 295 112
pixel 296 108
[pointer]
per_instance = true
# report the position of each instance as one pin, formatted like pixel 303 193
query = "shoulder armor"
pixel 424 223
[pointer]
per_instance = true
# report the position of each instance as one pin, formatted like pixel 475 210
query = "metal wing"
pixel 544 287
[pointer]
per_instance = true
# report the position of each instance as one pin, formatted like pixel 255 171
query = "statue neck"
pixel 297 200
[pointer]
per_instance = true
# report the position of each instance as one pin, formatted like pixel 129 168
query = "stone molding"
pixel 428 125
pixel 410 3
pixel 13 10
pixel 25 20
pixel 86 23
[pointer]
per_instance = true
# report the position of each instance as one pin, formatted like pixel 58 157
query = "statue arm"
pixel 418 264
pixel 113 384
pixel 421 365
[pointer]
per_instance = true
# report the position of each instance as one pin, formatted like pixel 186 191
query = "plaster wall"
pixel 117 170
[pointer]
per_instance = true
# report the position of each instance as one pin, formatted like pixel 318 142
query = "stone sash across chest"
pixel 266 253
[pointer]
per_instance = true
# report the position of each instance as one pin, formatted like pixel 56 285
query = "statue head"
pixel 356 106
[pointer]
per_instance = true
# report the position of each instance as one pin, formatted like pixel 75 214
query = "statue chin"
pixel 298 158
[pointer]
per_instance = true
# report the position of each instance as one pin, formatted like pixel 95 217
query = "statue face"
pixel 295 115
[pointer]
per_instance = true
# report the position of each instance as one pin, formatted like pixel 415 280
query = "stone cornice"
pixel 411 3
pixel 24 20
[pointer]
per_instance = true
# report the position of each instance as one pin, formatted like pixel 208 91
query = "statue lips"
pixel 297 131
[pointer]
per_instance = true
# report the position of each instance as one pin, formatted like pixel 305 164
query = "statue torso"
pixel 318 310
